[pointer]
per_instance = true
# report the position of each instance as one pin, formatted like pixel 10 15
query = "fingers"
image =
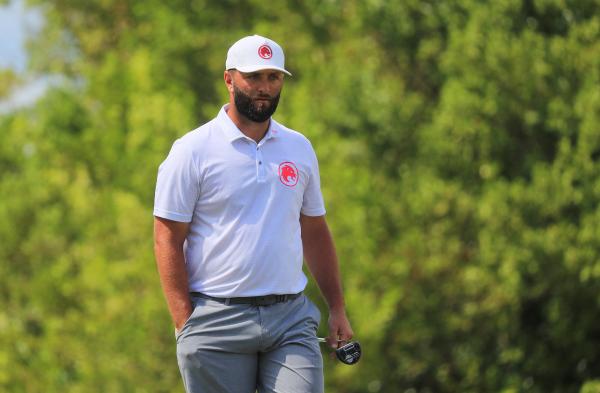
pixel 340 331
pixel 333 342
pixel 344 336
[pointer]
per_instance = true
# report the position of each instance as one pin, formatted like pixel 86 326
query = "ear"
pixel 228 78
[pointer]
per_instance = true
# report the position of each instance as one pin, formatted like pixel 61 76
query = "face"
pixel 255 94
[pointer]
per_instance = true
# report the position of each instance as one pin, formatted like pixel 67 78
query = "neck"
pixel 248 127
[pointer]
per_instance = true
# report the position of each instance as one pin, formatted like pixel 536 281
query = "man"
pixel 237 206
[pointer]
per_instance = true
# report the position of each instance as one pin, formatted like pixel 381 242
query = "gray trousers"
pixel 240 348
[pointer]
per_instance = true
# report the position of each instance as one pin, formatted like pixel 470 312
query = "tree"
pixel 459 155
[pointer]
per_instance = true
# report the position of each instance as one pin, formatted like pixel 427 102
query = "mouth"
pixel 262 103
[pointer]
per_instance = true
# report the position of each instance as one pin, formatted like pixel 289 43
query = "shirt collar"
pixel 233 133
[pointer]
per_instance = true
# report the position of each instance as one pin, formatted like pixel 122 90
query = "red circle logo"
pixel 288 174
pixel 265 52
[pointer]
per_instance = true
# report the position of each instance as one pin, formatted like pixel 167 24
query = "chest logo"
pixel 265 52
pixel 288 174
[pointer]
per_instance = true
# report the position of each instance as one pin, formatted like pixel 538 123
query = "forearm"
pixel 170 262
pixel 320 256
pixel 325 270
pixel 321 259
pixel 174 281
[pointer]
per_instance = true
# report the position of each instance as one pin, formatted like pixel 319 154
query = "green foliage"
pixel 8 80
pixel 459 150
pixel 591 387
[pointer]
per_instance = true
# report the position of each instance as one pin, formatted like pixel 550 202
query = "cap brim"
pixel 260 67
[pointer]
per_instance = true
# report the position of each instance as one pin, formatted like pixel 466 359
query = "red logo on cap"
pixel 288 174
pixel 265 52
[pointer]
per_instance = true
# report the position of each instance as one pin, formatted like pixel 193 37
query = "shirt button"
pixel 260 163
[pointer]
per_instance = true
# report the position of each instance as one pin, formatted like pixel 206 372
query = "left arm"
pixel 321 259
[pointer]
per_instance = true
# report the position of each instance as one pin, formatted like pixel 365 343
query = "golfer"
pixel 238 206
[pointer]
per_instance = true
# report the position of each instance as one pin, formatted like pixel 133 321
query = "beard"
pixel 248 108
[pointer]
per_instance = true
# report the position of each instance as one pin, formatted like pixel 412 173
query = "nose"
pixel 263 87
pixel 266 86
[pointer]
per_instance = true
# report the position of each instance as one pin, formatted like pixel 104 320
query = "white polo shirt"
pixel 243 201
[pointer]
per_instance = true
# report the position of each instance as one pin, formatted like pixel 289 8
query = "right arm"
pixel 169 237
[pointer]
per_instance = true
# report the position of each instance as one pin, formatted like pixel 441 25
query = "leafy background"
pixel 460 157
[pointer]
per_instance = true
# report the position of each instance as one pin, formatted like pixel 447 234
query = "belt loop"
pixel 227 301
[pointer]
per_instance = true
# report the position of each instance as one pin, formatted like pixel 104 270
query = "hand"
pixel 340 331
pixel 181 320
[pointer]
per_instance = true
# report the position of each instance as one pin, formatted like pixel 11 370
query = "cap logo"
pixel 288 174
pixel 265 52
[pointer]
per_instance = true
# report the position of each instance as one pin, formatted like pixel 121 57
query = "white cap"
pixel 254 53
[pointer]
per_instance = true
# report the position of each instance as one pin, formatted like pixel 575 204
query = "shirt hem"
pixel 172 216
pixel 313 213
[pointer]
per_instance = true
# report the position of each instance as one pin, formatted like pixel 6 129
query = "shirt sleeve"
pixel 313 204
pixel 177 185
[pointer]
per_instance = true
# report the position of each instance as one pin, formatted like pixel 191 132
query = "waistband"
pixel 266 300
